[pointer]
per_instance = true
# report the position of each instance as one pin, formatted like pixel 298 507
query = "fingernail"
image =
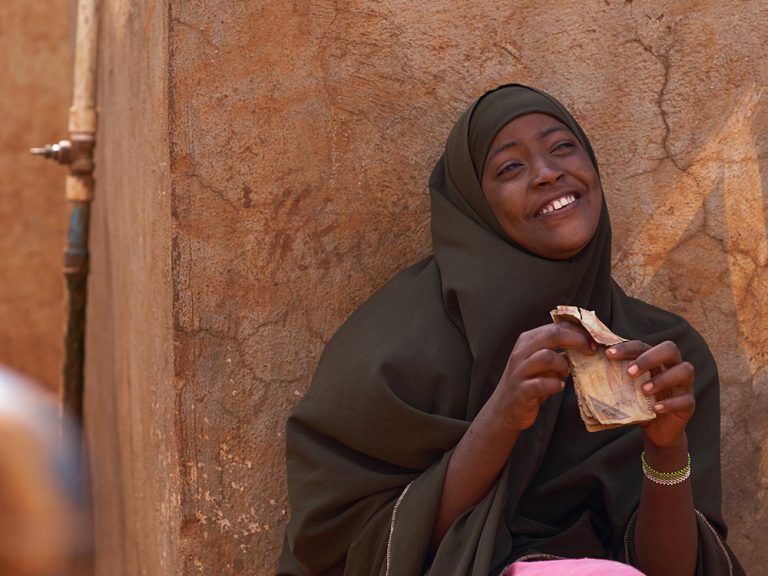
pixel 611 351
pixel 562 385
pixel 633 370
pixel 658 407
pixel 593 346
pixel 648 386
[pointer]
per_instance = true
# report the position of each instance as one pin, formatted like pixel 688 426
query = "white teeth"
pixel 558 203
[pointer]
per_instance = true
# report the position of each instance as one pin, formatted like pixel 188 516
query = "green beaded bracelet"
pixel 666 478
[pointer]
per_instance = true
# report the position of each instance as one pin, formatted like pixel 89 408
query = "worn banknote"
pixel 607 396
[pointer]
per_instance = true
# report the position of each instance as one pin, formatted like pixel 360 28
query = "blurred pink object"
pixel 580 567
pixel 43 509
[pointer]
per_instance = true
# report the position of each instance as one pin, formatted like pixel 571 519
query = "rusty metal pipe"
pixel 77 153
pixel 79 193
pixel 76 274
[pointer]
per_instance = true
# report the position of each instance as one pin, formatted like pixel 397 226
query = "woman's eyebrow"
pixel 551 130
pixel 505 146
pixel 512 143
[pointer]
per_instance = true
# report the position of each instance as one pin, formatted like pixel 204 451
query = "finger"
pixel 560 335
pixel 684 403
pixel 541 388
pixel 664 355
pixel 627 350
pixel 679 376
pixel 545 363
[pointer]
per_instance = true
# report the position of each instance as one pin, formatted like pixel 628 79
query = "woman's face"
pixel 542 186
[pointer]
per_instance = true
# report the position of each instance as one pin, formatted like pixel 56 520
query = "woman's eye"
pixel 563 145
pixel 509 167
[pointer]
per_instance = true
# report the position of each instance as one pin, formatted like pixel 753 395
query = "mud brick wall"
pixel 263 169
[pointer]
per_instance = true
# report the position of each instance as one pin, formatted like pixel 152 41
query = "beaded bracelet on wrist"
pixel 666 478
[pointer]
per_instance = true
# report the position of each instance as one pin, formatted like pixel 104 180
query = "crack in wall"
pixel 197 30
pixel 203 183
pixel 663 59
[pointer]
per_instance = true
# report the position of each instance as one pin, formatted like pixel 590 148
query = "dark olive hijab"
pixel 401 380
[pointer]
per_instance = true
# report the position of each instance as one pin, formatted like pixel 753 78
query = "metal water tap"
pixel 59 152
pixel 77 153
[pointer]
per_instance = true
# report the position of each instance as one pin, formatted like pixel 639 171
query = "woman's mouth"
pixel 557 204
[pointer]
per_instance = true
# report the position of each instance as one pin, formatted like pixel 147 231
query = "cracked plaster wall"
pixel 278 177
pixel 34 100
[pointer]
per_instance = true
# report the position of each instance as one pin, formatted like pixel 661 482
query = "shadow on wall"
pixel 709 262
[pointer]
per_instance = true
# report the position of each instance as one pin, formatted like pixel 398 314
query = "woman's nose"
pixel 545 172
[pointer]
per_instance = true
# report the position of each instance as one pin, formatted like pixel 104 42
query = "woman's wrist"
pixel 667 458
pixel 507 418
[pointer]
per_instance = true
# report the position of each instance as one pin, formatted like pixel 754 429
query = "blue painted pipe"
pixel 76 273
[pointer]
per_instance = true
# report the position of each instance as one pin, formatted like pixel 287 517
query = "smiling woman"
pixel 542 186
pixel 441 432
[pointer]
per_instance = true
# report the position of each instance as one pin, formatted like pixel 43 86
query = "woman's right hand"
pixel 536 370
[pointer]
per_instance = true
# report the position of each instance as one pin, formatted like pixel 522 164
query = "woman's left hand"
pixel 672 383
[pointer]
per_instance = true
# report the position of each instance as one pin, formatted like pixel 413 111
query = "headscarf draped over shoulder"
pixel 400 382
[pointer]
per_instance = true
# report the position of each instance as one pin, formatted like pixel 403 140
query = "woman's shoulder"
pixel 400 340
pixel 407 313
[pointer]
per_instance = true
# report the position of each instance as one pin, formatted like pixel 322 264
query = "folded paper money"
pixel 608 397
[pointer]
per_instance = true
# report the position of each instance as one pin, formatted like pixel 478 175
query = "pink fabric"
pixel 582 567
